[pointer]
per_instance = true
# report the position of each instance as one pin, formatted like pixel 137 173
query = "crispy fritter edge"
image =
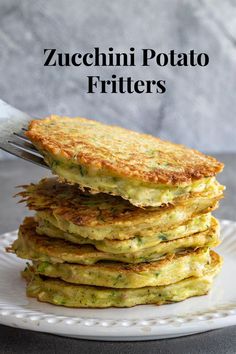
pixel 206 166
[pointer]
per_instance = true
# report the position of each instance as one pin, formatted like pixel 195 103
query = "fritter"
pixel 137 243
pixel 60 293
pixel 138 167
pixel 30 245
pixel 103 216
pixel 166 271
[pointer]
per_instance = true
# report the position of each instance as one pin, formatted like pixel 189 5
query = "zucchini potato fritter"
pixel 166 271
pixel 135 244
pixel 30 245
pixel 138 167
pixel 102 216
pixel 60 293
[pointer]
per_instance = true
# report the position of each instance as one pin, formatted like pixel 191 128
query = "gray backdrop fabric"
pixel 198 108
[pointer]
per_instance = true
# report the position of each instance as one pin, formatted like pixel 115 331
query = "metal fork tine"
pixel 24 145
pixel 13 125
pixel 23 154
pixel 21 135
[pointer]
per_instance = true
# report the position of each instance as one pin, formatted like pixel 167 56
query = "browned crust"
pixel 215 258
pixel 125 157
pixel 82 209
pixel 57 249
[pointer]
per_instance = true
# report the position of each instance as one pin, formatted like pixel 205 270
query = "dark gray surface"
pixel 14 340
pixel 23 342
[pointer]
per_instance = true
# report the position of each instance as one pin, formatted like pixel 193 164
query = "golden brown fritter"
pixel 134 244
pixel 60 293
pixel 117 275
pixel 120 151
pixel 30 245
pixel 140 168
pixel 103 216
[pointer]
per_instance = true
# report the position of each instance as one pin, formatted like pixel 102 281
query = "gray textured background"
pixel 199 106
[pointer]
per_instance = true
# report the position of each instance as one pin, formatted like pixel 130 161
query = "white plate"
pixel 216 310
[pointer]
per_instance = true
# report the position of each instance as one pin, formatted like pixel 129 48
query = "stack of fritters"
pixel 127 222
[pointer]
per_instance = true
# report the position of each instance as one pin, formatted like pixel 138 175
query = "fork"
pixel 13 124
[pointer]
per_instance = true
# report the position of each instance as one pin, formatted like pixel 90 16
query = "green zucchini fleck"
pixel 162 237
